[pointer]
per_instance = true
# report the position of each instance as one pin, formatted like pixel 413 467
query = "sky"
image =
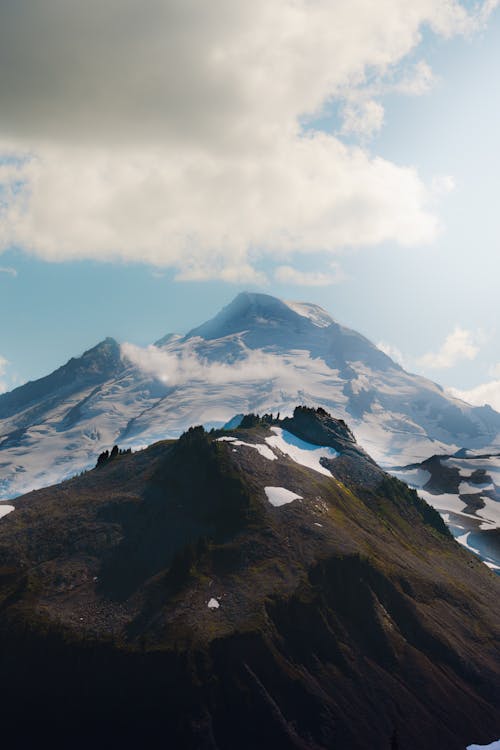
pixel 157 158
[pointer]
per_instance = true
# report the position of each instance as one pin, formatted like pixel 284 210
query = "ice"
pixel 278 496
pixel 301 452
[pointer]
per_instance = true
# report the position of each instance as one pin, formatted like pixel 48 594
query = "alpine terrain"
pixel 267 586
pixel 259 354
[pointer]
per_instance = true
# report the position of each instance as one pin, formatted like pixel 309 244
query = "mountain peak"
pixel 95 365
pixel 253 309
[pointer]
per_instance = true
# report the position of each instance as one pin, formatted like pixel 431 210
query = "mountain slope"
pixel 258 354
pixel 169 596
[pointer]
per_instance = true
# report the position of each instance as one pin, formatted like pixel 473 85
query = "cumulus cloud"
pixel 486 393
pixel 169 131
pixel 459 345
pixel 175 369
pixel 362 116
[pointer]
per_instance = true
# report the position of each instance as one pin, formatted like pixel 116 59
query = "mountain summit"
pixel 258 354
pixel 251 311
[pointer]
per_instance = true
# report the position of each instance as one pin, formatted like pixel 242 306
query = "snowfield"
pixel 301 452
pixel 278 496
pixel 264 451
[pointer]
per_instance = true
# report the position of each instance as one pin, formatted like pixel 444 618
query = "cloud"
pixel 458 345
pixel 170 132
pixel 393 352
pixel 8 270
pixel 363 117
pixel 3 369
pixel 290 275
pixel 175 369
pixel 486 393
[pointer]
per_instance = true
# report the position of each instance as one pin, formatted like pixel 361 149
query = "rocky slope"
pixel 268 586
pixel 258 354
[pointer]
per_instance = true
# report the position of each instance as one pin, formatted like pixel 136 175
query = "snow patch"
pixel 264 451
pixel 491 746
pixel 468 488
pixel 278 496
pixel 213 604
pixel 315 314
pixel 301 452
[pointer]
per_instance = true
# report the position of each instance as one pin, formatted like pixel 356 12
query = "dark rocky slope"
pixel 348 619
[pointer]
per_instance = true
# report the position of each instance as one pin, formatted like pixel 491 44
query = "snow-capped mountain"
pixel 258 354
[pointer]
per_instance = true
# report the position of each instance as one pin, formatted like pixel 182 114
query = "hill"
pixel 266 586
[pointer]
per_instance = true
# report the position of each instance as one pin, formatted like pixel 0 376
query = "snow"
pixel 489 515
pixel 415 478
pixel 314 313
pixel 491 746
pixel 318 524
pixel 293 359
pixel 264 451
pixel 468 488
pixel 5 509
pixel 278 496
pixel 301 452
pixel 213 604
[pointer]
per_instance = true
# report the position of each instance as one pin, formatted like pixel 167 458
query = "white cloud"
pixel 393 352
pixel 459 345
pixel 363 117
pixel 8 270
pixel 419 80
pixel 175 369
pixel 486 393
pixel 3 369
pixel 170 133
pixel 290 275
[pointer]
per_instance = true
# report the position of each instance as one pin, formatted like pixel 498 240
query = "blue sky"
pixel 426 288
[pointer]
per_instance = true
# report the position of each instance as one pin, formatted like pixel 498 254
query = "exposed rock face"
pixel 347 618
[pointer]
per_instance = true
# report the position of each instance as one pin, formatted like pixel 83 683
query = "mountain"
pixel 258 354
pixel 266 586
pixel 465 488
